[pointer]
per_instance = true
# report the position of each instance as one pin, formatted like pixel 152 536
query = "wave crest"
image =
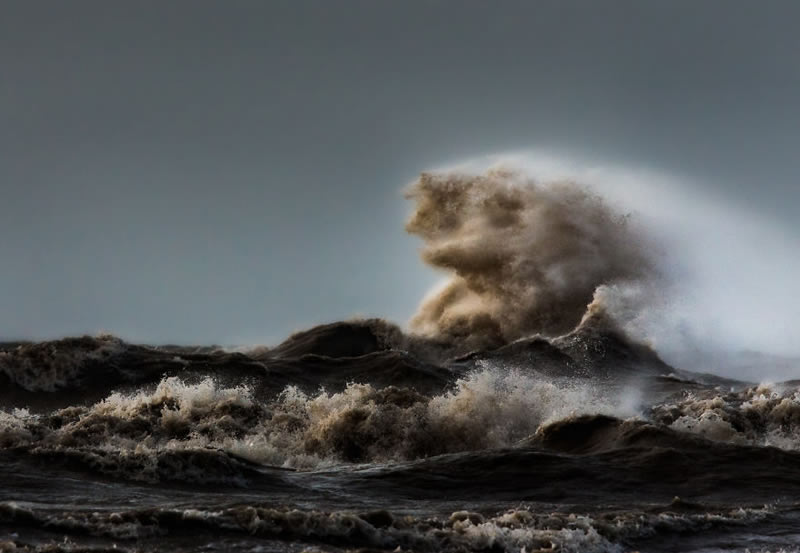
pixel 130 434
pixel 49 366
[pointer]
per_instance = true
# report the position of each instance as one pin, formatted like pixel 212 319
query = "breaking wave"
pixel 148 435
pixel 763 415
pixel 206 432
pixel 526 257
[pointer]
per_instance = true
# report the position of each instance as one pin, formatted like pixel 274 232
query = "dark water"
pixel 355 437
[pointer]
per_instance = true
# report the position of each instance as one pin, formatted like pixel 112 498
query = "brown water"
pixel 352 436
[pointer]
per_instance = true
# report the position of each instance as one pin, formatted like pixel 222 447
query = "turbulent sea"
pixel 350 436
pixel 517 414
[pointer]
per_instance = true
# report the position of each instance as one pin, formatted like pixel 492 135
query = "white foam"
pixel 764 415
pixel 488 408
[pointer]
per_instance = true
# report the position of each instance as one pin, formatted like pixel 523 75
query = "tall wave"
pixel 143 435
pixel 525 257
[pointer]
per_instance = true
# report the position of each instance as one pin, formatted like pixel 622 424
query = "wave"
pixel 764 415
pixel 80 371
pixel 517 386
pixel 521 436
pixel 596 349
pixel 513 530
pixel 130 434
pixel 293 408
pixel 341 339
pixel 144 435
pixel 74 371
pixel 526 257
pixel 49 366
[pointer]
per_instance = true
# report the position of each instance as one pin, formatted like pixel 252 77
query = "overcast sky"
pixel 231 171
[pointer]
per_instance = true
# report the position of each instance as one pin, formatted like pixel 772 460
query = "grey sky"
pixel 230 171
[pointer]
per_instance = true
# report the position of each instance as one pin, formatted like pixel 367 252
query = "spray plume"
pixel 525 257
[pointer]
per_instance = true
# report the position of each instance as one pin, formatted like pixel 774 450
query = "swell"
pixel 511 530
pixel 499 435
pixel 81 370
pixel 72 370
pixel 202 431
pixel 60 373
pixel 195 415
pixel 623 471
pixel 128 434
